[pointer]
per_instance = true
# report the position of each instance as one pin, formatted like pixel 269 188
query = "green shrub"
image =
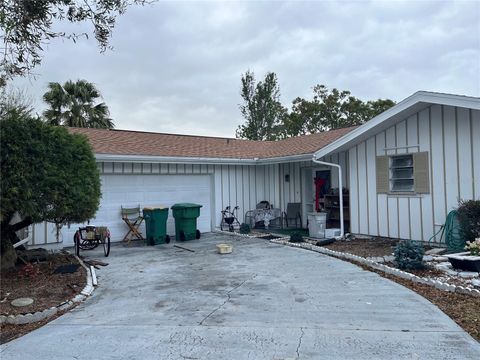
pixel 469 219
pixel 244 228
pixel 296 237
pixel 409 255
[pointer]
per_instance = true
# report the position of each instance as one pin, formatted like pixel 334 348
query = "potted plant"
pixel 469 260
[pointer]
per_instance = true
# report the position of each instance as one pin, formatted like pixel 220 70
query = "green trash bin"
pixel 186 215
pixel 156 225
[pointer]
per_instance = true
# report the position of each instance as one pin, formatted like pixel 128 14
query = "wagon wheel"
pixel 87 244
pixel 106 245
pixel 76 241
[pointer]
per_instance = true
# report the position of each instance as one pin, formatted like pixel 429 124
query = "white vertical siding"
pixel 451 136
pixel 362 188
pixel 370 152
pixel 414 203
pixel 382 204
pixel 475 157
pixel 354 191
pixel 464 146
pixel 234 185
pixel 437 157
pixel 452 190
pixel 426 200
pixel 218 190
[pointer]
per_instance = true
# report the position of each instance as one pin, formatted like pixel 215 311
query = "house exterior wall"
pixel 242 185
pixel 451 136
pixel 301 177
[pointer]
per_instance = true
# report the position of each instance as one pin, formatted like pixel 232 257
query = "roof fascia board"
pixel 469 102
pixel 199 160
pixel 171 159
pixel 284 159
pixel 418 98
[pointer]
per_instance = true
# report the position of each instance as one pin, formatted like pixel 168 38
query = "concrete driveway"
pixel 264 301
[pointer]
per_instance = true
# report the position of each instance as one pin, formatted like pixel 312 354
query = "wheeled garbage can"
pixel 185 215
pixel 156 225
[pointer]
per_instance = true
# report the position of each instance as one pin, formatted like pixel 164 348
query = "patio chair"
pixel 293 213
pixel 133 218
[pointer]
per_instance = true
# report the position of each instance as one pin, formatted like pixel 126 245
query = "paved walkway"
pixel 264 301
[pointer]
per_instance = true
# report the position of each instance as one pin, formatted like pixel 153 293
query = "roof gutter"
pixel 199 160
pixel 340 191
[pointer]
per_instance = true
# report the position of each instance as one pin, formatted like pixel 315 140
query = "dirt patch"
pixel 39 282
pixel 365 247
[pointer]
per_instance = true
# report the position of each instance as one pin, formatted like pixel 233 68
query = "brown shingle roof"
pixel 125 142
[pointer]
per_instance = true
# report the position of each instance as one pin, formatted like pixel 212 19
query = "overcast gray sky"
pixel 176 66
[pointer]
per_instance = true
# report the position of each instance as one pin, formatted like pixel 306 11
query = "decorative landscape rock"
pixel 436 251
pixel 20 302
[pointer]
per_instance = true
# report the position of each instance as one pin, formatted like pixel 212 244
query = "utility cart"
pixel 89 237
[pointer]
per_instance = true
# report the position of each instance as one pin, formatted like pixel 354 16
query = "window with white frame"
pixel 401 173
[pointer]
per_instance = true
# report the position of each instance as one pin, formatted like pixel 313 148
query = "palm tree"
pixel 76 104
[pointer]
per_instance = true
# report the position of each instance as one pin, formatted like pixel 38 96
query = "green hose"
pixel 451 231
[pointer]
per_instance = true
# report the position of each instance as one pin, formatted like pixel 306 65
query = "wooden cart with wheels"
pixel 90 237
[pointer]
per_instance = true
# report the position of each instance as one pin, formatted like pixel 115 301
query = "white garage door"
pixel 150 190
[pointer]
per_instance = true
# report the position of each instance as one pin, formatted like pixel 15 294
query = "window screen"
pixel 401 173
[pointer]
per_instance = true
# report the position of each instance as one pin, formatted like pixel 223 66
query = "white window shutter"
pixel 383 174
pixel 421 173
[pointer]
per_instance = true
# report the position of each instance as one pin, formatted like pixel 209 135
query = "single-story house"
pixel 404 170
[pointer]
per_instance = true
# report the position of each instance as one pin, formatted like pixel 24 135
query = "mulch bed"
pixel 365 247
pixel 39 282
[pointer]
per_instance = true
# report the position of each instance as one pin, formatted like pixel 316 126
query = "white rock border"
pixel 233 233
pixel 42 315
pixel 382 267
pixel 281 236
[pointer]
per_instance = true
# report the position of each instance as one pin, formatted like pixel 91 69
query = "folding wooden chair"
pixel 133 218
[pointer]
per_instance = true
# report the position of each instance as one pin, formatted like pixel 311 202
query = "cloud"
pixel 176 66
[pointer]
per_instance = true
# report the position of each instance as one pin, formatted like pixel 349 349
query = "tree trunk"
pixel 8 255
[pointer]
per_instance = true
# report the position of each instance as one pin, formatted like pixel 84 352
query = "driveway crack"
pixel 300 342
pixel 227 299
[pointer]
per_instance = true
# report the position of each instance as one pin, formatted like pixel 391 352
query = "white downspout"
pixel 340 190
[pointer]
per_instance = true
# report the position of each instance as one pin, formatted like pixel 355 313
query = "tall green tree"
pixel 76 104
pixel 330 109
pixel 48 174
pixel 261 108
pixel 26 27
